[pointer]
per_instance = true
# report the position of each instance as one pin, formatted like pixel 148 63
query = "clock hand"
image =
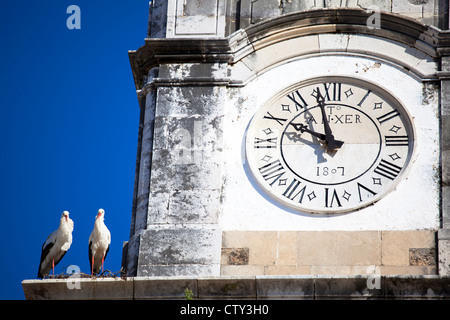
pixel 329 138
pixel 303 128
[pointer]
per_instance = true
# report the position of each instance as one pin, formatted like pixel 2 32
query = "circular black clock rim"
pixel 351 80
pixel 337 183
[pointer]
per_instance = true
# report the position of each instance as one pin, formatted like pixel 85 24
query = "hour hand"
pixel 304 128
pixel 331 143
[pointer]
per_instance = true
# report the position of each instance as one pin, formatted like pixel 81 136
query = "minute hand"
pixel 329 138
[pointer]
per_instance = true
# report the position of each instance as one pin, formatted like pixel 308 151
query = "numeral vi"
pixel 331 198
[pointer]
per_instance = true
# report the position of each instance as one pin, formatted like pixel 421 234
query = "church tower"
pixel 287 149
pixel 292 138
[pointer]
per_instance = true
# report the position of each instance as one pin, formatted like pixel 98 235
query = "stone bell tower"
pixel 199 77
pixel 238 191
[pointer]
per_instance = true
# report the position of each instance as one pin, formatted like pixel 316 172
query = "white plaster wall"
pixel 413 205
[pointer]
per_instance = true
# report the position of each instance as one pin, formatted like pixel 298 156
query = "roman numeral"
pixel 396 140
pixel 272 171
pixel 265 143
pixel 388 169
pixel 290 191
pixel 280 121
pixel 334 197
pixel 364 98
pixel 388 116
pixel 332 91
pixel 360 186
pixel 298 103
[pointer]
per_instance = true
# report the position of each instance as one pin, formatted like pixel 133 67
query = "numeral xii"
pixel 333 91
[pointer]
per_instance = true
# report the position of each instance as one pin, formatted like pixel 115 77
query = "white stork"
pixel 56 245
pixel 99 241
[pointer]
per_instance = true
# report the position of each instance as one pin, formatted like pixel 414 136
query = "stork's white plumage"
pixel 56 245
pixel 99 241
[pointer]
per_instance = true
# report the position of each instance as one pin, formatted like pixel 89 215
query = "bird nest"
pixel 105 274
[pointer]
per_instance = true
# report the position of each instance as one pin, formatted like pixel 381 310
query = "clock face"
pixel 330 145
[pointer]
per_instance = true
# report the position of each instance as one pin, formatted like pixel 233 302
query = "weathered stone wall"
pixel 244 287
pixel 178 209
pixel 212 18
pixel 328 252
pixel 243 13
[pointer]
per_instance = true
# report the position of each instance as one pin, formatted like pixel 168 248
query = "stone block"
pixel 189 101
pixel 396 245
pixel 227 288
pixel 172 288
pixel 444 252
pixel 78 288
pixel 194 206
pixel 408 270
pixel 422 256
pixel 445 123
pixel 445 97
pixel 264 9
pixel 179 245
pixel 157 21
pixel 234 256
pixel 339 270
pixel 347 288
pixel 292 287
pixel 333 42
pixel 265 56
pixel 176 270
pixel 167 249
pixel 197 18
pixel 157 208
pixel 339 248
pixel 262 245
pixel 184 206
pixel 168 176
pixel 287 270
pixel 428 287
pixel 414 9
pixel 241 270
pixel 287 248
pixel 445 165
pixel 445 207
pixel 193 71
pixel 132 255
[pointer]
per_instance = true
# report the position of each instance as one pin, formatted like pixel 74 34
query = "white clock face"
pixel 330 145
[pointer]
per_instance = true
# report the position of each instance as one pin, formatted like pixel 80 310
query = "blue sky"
pixel 69 123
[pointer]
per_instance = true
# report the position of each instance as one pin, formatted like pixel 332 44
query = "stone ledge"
pixel 254 287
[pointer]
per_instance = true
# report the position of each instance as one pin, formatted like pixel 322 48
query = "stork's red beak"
pixel 98 214
pixel 66 217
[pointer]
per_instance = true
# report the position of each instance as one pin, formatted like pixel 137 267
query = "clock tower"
pixel 282 138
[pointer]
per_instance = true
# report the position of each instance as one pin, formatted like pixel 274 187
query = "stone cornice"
pixel 427 39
